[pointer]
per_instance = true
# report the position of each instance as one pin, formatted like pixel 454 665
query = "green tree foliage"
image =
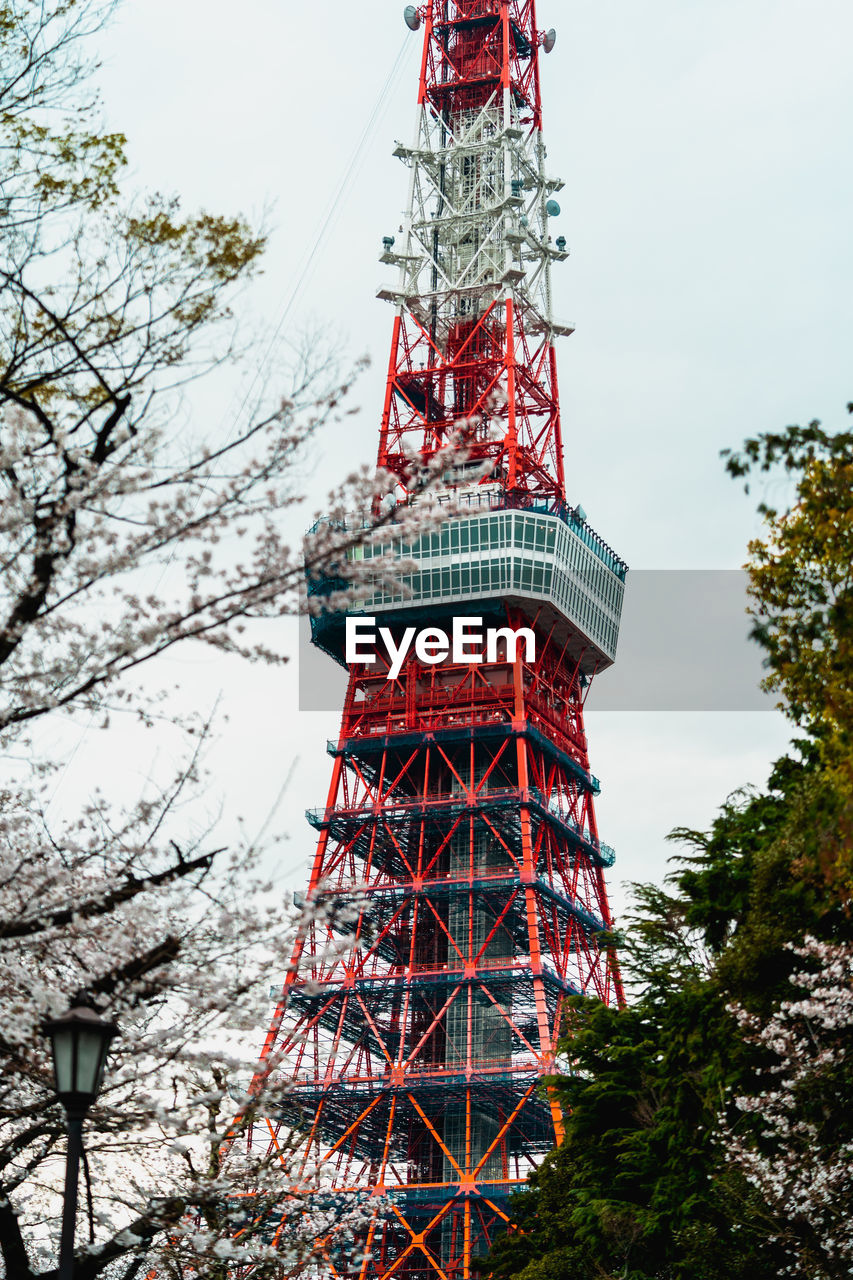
pixel 645 1185
pixel 801 577
pixel 103 294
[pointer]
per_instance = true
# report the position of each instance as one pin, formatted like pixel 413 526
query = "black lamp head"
pixel 80 1040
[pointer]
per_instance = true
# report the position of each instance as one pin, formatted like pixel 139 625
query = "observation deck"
pixel 489 555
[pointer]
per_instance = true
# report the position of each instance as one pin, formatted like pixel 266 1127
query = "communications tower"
pixel 460 823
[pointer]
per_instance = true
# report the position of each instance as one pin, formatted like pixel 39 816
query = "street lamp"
pixel 80 1041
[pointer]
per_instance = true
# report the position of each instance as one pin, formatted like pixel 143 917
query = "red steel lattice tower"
pixel 460 814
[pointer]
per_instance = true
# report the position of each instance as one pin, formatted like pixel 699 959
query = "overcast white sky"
pixel 706 153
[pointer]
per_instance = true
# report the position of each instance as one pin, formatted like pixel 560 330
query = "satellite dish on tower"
pixel 411 17
pixel 549 40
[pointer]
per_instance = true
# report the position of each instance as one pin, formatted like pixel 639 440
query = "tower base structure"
pixel 458 895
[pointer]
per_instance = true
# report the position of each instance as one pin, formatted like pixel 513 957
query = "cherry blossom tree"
pixel 121 538
pixel 794 1141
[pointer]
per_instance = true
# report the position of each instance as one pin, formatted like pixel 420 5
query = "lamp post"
pixel 80 1041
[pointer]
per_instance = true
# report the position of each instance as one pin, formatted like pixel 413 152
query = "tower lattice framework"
pixel 460 816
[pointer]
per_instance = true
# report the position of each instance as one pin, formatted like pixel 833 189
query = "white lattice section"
pixel 477 227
